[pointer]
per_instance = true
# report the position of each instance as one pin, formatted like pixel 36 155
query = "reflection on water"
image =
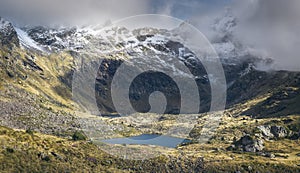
pixel 149 139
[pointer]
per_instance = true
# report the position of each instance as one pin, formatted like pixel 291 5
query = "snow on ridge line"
pixel 26 41
pixel 3 24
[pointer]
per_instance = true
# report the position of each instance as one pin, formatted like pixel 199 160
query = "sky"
pixel 78 11
pixel 272 26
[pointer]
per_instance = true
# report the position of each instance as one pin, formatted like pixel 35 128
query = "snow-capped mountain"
pixel 156 49
pixel 100 39
pixel 160 41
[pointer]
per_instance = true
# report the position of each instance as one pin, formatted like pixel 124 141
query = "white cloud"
pixel 70 11
pixel 273 26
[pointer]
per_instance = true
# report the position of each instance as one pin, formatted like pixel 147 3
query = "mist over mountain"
pixel 272 27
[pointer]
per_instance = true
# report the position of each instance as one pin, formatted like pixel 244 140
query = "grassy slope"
pixel 26 152
pixel 23 152
pixel 235 124
pixel 45 82
pixel 218 159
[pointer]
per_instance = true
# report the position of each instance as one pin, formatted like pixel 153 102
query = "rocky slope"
pixel 33 95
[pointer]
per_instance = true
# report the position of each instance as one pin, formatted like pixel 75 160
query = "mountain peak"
pixel 8 35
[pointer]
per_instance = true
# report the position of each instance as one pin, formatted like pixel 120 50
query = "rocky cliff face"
pixel 8 35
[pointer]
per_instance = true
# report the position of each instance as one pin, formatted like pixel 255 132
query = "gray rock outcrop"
pixel 272 132
pixel 249 144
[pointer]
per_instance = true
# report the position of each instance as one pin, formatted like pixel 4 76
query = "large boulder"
pixel 249 144
pixel 272 132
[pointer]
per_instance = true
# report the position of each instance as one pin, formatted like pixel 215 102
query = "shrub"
pixel 29 131
pixel 10 150
pixel 79 135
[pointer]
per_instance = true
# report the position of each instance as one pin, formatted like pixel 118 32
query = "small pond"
pixel 149 139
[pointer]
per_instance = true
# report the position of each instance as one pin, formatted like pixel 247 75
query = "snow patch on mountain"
pixel 26 41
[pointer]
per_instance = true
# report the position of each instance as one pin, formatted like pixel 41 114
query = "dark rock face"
pixel 149 81
pixel 145 84
pixel 284 87
pixel 249 144
pixel 243 81
pixel 8 35
pixel 103 84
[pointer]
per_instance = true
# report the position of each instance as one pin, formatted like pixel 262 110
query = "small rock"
pixel 44 157
pixel 57 155
pixel 270 155
pixel 10 74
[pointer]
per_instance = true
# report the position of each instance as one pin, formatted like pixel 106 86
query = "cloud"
pixel 70 11
pixel 97 11
pixel 272 26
